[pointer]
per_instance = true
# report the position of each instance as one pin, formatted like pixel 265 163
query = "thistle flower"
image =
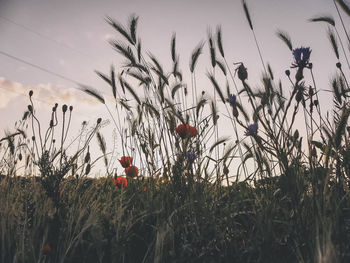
pixel 126 161
pixel 191 157
pixel 252 130
pixel 301 56
pixel 131 171
pixel 121 182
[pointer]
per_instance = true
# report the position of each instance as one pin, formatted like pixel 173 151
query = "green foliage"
pixel 286 173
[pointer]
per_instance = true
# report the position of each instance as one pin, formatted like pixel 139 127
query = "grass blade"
pixel 94 93
pixel 285 38
pixel 246 11
pixel 195 54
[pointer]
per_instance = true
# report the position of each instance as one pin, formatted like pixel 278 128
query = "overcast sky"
pixel 69 38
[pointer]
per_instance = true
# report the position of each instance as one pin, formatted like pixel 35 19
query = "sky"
pixel 70 39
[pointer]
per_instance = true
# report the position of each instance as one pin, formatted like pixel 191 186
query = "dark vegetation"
pixel 268 194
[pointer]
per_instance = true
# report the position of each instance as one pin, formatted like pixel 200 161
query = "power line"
pixel 39 67
pixel 81 86
pixel 26 28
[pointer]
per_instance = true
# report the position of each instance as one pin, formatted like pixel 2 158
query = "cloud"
pixel 47 93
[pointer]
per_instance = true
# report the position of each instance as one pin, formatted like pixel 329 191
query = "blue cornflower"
pixel 301 56
pixel 191 157
pixel 232 100
pixel 252 130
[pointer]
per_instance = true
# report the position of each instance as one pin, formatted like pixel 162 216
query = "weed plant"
pixel 269 193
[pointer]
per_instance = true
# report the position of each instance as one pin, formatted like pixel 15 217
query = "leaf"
pixel 173 47
pixel 175 89
pixel 92 92
pixel 218 142
pixel 195 55
pixel 219 41
pixel 246 11
pixel 124 50
pixel 103 76
pixel 333 41
pixel 221 66
pixel 344 6
pixel 133 25
pixel 216 86
pixel 117 26
pixel 200 104
pixel 113 85
pixel 130 89
pixel 341 127
pixel 214 113
pixel 327 19
pixel 212 52
pixel 285 38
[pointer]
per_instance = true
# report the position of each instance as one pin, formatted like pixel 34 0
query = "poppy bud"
pixel 99 120
pixel 311 91
pixel 46 249
pixel 33 138
pixel 242 72
pixel 64 108
pixel 296 135
pixel 30 108
pixel 287 72
pixel 225 170
pixel 70 108
pixel 87 157
pixel 30 93
pixel 88 168
pixel 316 102
pixel 20 156
pixel 338 65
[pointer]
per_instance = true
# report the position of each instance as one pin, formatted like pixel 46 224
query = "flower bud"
pixel 64 108
pixel 287 72
pixel 30 93
pixel 242 72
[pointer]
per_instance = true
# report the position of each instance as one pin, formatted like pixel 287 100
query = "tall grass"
pixel 266 193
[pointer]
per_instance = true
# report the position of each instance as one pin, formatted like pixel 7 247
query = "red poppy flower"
pixel 121 182
pixel 126 161
pixel 131 171
pixel 186 131
pixel 192 131
pixel 181 130
pixel 46 249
